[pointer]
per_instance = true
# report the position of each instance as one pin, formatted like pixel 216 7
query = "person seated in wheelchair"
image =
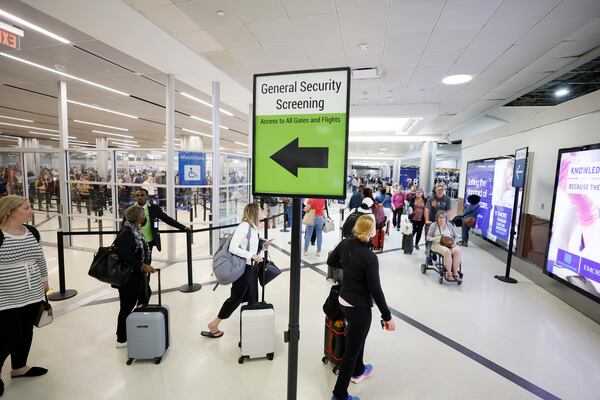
pixel 442 239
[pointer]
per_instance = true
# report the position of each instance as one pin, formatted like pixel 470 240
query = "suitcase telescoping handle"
pixel 159 296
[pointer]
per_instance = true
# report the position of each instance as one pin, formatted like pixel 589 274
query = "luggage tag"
pixel 156 223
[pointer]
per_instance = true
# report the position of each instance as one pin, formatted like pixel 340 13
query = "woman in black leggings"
pixel 417 214
pixel 359 288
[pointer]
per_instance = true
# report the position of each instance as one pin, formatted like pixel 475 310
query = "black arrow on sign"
pixel 292 156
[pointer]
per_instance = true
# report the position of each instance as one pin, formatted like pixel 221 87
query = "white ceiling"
pixel 508 45
pixel 30 93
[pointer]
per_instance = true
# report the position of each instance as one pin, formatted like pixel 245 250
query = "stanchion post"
pixel 101 238
pixel 192 221
pixel 190 286
pixel 286 221
pixel 506 278
pixel 292 335
pixel 63 293
pixel 210 236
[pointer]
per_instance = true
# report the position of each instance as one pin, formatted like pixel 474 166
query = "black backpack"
pixel 32 229
pixel 349 224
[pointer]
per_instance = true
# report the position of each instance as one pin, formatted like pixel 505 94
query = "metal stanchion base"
pixel 505 279
pixel 284 230
pixel 194 287
pixel 67 294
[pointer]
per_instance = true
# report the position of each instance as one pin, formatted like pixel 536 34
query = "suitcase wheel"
pixel 129 361
pixel 240 344
pixel 157 360
pixel 241 359
pixel 325 360
pixel 270 356
pixel 336 370
pixel 423 268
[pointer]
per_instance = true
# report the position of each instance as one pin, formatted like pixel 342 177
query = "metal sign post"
pixel 518 182
pixel 300 150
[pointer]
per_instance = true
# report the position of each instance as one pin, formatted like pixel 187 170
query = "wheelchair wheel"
pixel 460 274
pixel 423 268
pixel 441 280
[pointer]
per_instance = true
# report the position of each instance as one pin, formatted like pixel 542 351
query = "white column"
pixel 102 160
pixel 191 143
pixel 250 148
pixel 63 144
pixel 170 136
pixel 427 168
pixel 396 171
pixel 216 173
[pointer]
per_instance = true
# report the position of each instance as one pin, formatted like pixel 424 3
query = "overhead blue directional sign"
pixel 520 167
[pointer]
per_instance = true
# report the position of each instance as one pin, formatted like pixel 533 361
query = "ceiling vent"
pixel 365 73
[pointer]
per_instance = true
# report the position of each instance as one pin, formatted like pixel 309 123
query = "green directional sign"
pixel 300 135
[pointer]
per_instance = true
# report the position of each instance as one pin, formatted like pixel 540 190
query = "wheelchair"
pixel 435 262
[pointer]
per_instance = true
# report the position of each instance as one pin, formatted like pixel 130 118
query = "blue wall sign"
pixel 520 167
pixel 192 168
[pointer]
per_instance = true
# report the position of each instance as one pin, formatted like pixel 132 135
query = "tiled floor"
pixel 521 328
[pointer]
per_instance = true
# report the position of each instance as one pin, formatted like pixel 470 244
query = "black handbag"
pixel 107 268
pixel 331 307
pixel 268 271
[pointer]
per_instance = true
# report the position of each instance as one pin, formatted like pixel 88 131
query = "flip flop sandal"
pixel 449 278
pixel 212 335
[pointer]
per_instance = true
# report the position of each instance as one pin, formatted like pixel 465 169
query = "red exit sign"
pixel 10 36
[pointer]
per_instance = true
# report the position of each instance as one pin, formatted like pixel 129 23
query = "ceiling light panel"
pixel 16 119
pixel 49 134
pixel 206 103
pixel 112 134
pixel 195 132
pixel 101 125
pixel 63 74
pixel 377 124
pixel 102 109
pixel 22 22
pixel 28 127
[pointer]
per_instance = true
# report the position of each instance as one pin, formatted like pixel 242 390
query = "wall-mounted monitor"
pixel 491 179
pixel 573 254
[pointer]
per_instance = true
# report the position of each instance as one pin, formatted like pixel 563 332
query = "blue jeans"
pixel 318 226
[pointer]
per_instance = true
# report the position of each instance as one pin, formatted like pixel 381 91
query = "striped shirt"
pixel 22 271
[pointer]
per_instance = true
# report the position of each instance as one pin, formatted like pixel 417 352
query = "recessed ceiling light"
pixel 63 74
pixel 95 107
pixel 21 21
pixel 363 46
pixel 113 134
pixel 383 148
pixel 561 92
pixel 457 79
pixel 16 119
pixel 189 96
pixel 104 126
pixel 59 67
pixel 220 13
pixel 28 127
pixel 241 144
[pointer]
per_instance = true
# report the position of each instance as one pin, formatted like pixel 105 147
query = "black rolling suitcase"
pixel 335 330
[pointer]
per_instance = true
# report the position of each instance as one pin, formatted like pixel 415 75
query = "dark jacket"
pixel 355 200
pixel 156 214
pixel 128 253
pixel 360 285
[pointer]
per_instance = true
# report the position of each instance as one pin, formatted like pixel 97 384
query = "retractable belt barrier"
pixel 188 287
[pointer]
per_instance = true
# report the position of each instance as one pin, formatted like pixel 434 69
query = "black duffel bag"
pixel 107 268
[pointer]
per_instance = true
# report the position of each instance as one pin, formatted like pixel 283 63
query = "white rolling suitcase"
pixel 148 331
pixel 257 330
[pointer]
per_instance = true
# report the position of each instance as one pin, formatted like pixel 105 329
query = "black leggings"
pixel 16 334
pixel 417 230
pixel 245 289
pixel 397 216
pixel 129 296
pixel 359 322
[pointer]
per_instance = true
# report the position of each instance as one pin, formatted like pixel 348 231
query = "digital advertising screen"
pixel 573 255
pixel 491 180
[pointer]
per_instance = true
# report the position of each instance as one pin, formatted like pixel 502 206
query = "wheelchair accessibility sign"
pixel 192 168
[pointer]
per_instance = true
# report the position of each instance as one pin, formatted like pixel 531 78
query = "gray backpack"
pixel 228 267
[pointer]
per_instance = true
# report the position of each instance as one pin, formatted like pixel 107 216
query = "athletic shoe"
pixel 347 398
pixel 368 372
pixel 416 246
pixel 120 345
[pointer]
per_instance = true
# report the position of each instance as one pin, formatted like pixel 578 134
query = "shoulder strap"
pixel 34 231
pixel 248 236
pixel 1 237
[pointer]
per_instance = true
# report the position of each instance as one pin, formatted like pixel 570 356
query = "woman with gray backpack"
pixel 244 244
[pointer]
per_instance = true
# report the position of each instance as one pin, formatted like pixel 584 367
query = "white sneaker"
pixel 120 345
